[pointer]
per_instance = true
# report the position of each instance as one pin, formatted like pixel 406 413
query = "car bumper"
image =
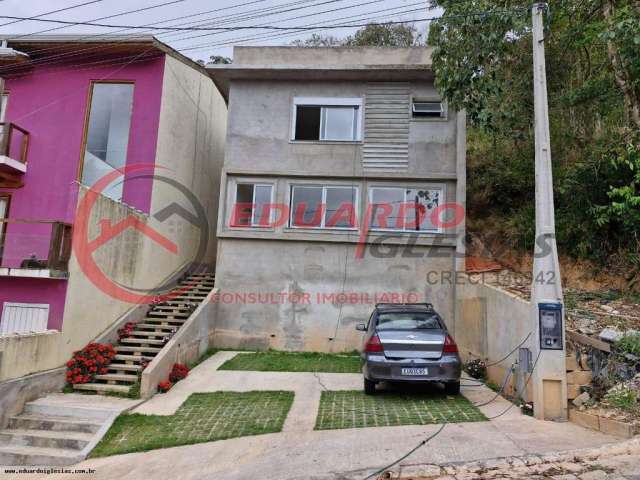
pixel 378 368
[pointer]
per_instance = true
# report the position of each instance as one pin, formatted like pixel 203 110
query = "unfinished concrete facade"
pixel 311 130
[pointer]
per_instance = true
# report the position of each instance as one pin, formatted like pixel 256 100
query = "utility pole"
pixel 549 379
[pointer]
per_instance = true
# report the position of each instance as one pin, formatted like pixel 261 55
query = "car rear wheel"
pixel 452 388
pixel 369 387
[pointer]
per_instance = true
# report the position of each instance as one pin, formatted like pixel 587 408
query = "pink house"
pixel 73 110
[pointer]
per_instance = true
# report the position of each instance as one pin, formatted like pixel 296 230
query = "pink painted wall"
pixel 51 103
pixel 36 290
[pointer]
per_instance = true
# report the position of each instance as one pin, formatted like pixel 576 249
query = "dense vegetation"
pixel 484 64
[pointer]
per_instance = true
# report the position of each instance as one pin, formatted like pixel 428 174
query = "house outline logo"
pixel 84 248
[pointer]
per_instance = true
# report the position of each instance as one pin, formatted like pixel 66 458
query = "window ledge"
pixel 325 142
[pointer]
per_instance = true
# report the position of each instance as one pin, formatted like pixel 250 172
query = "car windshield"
pixel 407 321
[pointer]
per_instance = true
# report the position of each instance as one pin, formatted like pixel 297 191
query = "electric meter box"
pixel 551 328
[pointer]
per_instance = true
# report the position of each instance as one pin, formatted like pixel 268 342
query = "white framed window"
pixel 327 119
pixel 24 318
pixel 323 206
pixel 251 205
pixel 405 209
pixel 428 109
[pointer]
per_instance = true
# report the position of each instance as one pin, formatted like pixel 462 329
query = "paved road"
pixel 298 452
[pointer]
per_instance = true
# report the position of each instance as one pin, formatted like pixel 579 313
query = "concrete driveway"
pixel 299 452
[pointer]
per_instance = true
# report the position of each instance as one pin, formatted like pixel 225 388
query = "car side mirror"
pixel 361 327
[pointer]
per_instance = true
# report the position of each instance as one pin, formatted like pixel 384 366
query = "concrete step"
pixel 41 407
pixel 117 377
pixel 52 423
pixel 147 333
pixel 124 367
pixel 45 439
pixel 157 314
pixel 174 308
pixel 101 387
pixel 121 348
pixel 142 341
pixel 158 326
pixel 172 322
pixel 132 358
pixel 16 455
pixel 179 302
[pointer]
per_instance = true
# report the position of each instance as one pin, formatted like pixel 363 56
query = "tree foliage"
pixel 374 34
pixel 483 64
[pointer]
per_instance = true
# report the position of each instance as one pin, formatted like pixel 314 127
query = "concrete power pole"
pixel 549 379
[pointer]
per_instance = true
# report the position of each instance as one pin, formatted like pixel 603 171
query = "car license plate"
pixel 414 371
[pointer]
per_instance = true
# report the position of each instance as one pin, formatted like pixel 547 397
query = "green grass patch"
pixel 354 409
pixel 203 417
pixel 273 361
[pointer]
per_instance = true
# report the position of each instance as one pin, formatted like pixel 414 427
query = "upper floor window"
pixel 252 205
pixel 404 209
pixel 4 99
pixel 327 119
pixel 107 134
pixel 316 206
pixel 427 109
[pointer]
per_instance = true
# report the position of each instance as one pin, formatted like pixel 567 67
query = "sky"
pixel 201 13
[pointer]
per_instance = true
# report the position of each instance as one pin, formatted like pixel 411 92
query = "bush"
pixel 477 369
pixel 88 362
pixel 126 330
pixel 629 343
pixel 622 396
pixel 178 372
pixel 164 387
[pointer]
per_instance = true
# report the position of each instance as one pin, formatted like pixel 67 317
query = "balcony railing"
pixel 14 145
pixel 34 245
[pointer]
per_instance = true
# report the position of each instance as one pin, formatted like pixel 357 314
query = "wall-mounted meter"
pixel 551 328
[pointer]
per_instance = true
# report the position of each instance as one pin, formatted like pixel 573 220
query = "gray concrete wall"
pixel 186 346
pixel 323 271
pixel 490 323
pixel 259 133
pixel 331 56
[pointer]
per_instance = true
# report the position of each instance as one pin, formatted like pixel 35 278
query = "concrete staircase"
pixel 58 429
pixel 150 335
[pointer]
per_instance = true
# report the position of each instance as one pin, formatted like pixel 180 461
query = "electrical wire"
pixel 51 12
pixel 75 53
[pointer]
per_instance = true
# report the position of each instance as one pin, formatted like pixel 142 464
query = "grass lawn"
pixel 294 362
pixel 203 417
pixel 354 409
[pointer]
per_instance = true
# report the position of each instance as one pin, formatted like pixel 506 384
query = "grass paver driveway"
pixel 354 409
pixel 273 361
pixel 204 417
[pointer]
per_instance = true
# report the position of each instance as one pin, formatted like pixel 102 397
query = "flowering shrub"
pixel 126 330
pixel 164 387
pixel 477 369
pixel 88 362
pixel 144 363
pixel 178 372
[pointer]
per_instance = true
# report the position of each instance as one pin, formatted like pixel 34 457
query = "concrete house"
pixel 343 185
pixel 76 111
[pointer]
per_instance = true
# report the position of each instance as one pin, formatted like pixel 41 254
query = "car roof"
pixel 400 307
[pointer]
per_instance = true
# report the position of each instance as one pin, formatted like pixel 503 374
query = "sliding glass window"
pixel 107 134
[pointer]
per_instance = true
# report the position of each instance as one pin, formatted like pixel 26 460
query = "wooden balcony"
pixel 14 149
pixel 34 248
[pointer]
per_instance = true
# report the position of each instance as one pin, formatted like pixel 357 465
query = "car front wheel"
pixel 452 388
pixel 369 387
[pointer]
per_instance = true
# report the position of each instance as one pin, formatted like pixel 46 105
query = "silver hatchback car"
pixel 409 343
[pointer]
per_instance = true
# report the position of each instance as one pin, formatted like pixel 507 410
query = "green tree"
pixel 374 34
pixel 483 64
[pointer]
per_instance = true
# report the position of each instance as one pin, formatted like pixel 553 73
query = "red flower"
pixel 165 386
pixel 178 372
